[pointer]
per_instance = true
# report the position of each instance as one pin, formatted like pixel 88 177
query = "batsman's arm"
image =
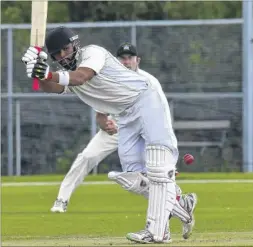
pixel 91 64
pixel 51 87
pixel 57 81
pixel 70 78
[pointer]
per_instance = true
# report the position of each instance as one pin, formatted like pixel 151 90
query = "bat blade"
pixel 38 28
pixel 39 23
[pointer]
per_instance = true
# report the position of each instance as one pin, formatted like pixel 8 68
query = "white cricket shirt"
pixel 155 84
pixel 114 87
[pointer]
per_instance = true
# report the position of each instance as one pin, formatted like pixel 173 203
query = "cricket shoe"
pixel 191 202
pixel 59 206
pixel 145 237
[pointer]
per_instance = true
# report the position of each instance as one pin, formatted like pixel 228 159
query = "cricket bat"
pixel 38 28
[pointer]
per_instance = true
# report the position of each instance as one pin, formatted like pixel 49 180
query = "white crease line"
pixel 202 181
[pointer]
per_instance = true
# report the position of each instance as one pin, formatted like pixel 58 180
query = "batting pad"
pixel 162 191
pixel 131 181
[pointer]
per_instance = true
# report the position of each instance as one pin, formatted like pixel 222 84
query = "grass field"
pixel 101 215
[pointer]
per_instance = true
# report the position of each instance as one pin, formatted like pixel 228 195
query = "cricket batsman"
pixel 104 143
pixel 102 82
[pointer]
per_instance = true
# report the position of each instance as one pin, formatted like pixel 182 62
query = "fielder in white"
pixel 102 82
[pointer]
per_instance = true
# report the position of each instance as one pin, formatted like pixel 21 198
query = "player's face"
pixel 131 62
pixel 65 55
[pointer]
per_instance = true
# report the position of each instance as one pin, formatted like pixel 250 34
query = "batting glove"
pixel 38 69
pixel 33 54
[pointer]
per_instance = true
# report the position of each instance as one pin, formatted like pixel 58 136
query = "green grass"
pixel 103 177
pixel 218 239
pixel 100 214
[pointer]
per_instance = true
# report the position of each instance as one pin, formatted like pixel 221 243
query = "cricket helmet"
pixel 57 39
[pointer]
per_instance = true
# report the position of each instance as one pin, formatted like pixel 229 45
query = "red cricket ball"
pixel 188 159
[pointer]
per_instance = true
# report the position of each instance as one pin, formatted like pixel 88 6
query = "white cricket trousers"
pixel 147 122
pixel 146 128
pixel 99 147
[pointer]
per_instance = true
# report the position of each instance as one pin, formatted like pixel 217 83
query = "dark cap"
pixel 127 48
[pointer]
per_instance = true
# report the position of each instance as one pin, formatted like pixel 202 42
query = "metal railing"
pixel 246 23
pixel 18 97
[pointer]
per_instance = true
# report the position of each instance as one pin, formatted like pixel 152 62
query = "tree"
pixel 112 11
pixel 78 11
pixel 20 12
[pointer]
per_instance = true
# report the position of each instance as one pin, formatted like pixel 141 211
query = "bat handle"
pixel 36 85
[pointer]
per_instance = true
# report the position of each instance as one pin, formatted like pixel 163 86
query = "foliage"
pixel 63 163
pixel 78 11
pixel 20 12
